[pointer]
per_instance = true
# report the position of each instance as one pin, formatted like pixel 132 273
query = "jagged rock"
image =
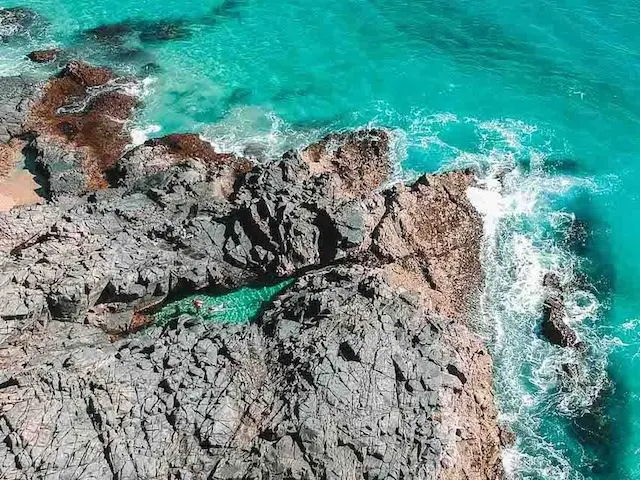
pixel 554 327
pixel 361 159
pixel 44 56
pixel 411 236
pixel 17 96
pixel 352 372
pixel 159 154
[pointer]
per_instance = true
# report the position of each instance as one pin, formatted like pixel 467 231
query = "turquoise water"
pixel 238 306
pixel 544 95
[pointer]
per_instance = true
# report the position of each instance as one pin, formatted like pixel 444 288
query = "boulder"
pixel 44 56
pixel 554 327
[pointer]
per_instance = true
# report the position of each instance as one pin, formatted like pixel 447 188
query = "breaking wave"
pixel 525 204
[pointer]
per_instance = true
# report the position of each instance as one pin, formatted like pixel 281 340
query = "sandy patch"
pixel 18 189
pixel 17 186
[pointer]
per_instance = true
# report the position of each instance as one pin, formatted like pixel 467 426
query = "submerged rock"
pixel 111 33
pixel 44 56
pixel 147 31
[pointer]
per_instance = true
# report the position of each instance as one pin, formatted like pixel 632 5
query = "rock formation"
pixel 44 56
pixel 78 127
pixel 554 327
pixel 364 367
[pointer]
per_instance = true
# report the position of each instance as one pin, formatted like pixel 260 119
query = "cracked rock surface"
pixel 364 367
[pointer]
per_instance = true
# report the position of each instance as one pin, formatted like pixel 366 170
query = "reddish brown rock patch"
pixel 431 229
pixel 74 110
pixel 360 158
pixel 190 145
pixel 44 56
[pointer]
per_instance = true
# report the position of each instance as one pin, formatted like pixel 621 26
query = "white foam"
pixel 517 251
pixel 256 132
pixel 142 134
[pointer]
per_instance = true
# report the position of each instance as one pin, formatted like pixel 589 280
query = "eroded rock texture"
pixel 363 368
pixel 342 377
pixel 78 127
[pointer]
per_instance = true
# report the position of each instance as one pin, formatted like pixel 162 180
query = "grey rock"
pixel 363 368
pixel 17 95
pixel 276 399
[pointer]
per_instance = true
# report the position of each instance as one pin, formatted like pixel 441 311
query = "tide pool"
pixel 238 306
pixel 542 97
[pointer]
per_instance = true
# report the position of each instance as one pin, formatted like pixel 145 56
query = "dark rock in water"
pixel 44 56
pixel 552 281
pixel 79 127
pixel 16 21
pixel 111 34
pixel 554 327
pixel 149 69
pixel 507 437
pixel 148 31
pixel 131 55
pixel 572 370
pixel 228 9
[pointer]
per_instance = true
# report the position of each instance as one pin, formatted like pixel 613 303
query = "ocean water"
pixel 542 97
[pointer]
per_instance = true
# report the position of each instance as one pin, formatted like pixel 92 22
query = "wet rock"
pixel 507 437
pixel 554 327
pixel 16 21
pixel 79 126
pixel 44 56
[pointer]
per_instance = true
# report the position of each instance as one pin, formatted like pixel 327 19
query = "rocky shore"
pixel 364 367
